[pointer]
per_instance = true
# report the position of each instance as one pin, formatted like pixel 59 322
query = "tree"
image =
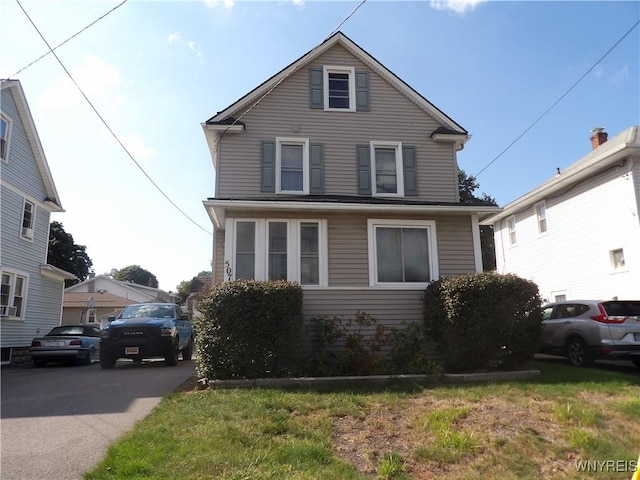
pixel 135 274
pixel 467 184
pixel 65 254
pixel 196 284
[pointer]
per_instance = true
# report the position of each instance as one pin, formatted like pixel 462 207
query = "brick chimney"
pixel 598 137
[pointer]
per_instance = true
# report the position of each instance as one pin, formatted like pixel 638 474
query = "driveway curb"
pixel 484 377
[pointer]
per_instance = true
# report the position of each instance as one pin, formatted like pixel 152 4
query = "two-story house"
pixel 338 175
pixel 31 290
pixel 97 298
pixel 578 234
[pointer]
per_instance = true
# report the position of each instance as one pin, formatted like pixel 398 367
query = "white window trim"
pixel 515 230
pixel 351 71
pixel 305 164
pixel 261 265
pixel 615 269
pixel 8 139
pixel 28 234
pixel 399 168
pixel 14 274
pixel 432 239
pixel 539 218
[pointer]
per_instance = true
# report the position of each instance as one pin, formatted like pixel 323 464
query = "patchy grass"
pixel 537 429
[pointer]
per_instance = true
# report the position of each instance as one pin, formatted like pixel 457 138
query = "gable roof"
pixel 609 153
pixel 101 300
pixel 127 285
pixel 15 88
pixel 239 107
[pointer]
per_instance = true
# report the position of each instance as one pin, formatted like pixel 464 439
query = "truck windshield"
pixel 148 311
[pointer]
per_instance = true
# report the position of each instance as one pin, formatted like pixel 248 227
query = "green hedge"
pixel 483 317
pixel 248 329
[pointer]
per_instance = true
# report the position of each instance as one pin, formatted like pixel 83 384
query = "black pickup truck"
pixel 148 330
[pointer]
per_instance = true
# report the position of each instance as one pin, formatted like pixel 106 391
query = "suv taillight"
pixel 604 318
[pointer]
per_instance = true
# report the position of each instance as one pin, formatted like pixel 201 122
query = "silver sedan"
pixel 68 343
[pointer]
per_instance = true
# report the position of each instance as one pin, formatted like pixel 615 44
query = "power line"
pixel 70 38
pixel 559 99
pixel 108 127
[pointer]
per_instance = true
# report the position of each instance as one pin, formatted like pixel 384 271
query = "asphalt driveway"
pixel 57 422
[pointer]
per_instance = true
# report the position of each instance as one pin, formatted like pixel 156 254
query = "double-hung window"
pixel 386 169
pixel 12 294
pixel 340 88
pixel 541 217
pixel 292 165
pixel 402 253
pixel 277 249
pixel 28 220
pixel 511 226
pixel 5 130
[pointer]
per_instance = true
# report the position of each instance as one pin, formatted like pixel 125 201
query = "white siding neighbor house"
pixel 96 299
pixel 336 174
pixel 578 234
pixel 31 290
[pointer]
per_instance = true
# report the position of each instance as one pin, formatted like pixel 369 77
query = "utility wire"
pixel 70 38
pixel 107 125
pixel 300 62
pixel 559 99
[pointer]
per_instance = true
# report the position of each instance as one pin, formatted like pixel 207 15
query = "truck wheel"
pixel 171 359
pixel 187 352
pixel 107 361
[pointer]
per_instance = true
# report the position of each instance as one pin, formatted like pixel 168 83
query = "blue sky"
pixel 155 70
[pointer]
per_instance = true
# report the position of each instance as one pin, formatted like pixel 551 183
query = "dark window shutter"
pixel 316 95
pixel 363 154
pixel 316 169
pixel 362 90
pixel 409 166
pixel 268 166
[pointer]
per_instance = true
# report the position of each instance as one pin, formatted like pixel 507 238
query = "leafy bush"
pixel 341 347
pixel 412 351
pixel 248 329
pixel 477 318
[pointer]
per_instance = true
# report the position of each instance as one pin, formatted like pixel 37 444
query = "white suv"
pixel 584 330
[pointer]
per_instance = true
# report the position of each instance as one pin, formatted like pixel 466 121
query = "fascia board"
pixel 55 273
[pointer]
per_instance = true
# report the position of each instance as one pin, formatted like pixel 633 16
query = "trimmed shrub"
pixel 248 329
pixel 413 351
pixel 483 317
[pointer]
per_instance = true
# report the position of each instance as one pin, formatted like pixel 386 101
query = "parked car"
pixel 147 330
pixel 585 330
pixel 80 343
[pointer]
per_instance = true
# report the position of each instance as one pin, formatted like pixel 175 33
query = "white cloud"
pixel 621 75
pixel 298 3
pixel 228 4
pixel 173 37
pixel 458 6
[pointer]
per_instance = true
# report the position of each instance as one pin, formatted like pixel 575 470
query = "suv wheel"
pixel 171 359
pixel 577 352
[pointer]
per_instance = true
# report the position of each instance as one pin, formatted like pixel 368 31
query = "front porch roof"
pixel 217 207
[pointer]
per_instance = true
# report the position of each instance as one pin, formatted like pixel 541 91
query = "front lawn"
pixel 535 429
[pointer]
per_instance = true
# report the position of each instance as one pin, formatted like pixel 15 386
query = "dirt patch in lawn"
pixel 492 425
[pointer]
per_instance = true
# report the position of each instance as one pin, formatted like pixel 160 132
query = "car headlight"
pixel 166 331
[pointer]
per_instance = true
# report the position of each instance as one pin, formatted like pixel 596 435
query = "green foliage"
pixel 345 346
pixel 248 329
pixel 412 351
pixel 65 254
pixel 135 274
pixel 483 317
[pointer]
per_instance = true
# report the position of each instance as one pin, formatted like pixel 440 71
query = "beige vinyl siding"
pixel 218 273
pixel 285 112
pixel 348 243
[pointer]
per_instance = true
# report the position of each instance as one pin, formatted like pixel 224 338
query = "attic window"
pixel 5 128
pixel 340 88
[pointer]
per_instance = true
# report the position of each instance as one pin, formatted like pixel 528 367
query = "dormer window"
pixel 340 94
pixel 5 128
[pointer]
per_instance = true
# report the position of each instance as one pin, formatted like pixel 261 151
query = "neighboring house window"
pixel 5 130
pixel 292 165
pixel 402 252
pixel 28 220
pixel 617 259
pixel 91 316
pixel 282 249
pixel 511 224
pixel 386 171
pixel 559 296
pixel 340 88
pixel 541 217
pixel 12 294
